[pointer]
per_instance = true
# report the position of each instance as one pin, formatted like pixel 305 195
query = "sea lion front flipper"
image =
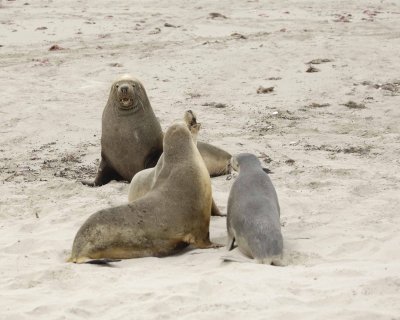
pixel 104 175
pixel 231 243
pixel 206 244
pixel 215 211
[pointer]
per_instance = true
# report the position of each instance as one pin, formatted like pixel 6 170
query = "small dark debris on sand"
pixel 274 78
pixel 115 64
pixel 360 150
pixel 215 105
pixel 390 86
pixel 41 28
pixel 194 95
pixel 169 25
pixel 71 157
pixel 55 47
pixel 354 105
pixel 238 36
pixel 216 15
pixel 317 105
pixel 261 89
pixel 264 157
pixel 346 17
pixel 312 69
pixel 155 31
pixel 290 162
pixel 319 61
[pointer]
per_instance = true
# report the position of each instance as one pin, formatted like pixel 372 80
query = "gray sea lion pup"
pixel 253 218
pixel 131 137
pixel 145 180
pixel 174 214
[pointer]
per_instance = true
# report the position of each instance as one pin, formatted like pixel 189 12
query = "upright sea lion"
pixel 131 137
pixel 145 180
pixel 253 218
pixel 174 214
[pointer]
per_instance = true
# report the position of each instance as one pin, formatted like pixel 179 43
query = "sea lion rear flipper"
pixel 104 175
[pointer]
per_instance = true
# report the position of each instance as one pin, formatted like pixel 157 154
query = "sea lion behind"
pixel 165 220
pixel 131 138
pixel 253 218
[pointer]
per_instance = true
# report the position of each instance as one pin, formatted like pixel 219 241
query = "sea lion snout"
pixel 126 95
pixel 124 88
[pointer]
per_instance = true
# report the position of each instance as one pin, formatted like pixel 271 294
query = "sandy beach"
pixel 311 87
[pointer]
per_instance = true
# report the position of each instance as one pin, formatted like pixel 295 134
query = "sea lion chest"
pixel 128 139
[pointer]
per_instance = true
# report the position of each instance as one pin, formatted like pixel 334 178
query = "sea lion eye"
pixel 117 86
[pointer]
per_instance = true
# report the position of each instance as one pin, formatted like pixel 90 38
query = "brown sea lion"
pixel 145 180
pixel 253 218
pixel 174 214
pixel 131 137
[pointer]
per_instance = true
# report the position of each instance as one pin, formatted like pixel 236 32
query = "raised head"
pixel 176 139
pixel 244 160
pixel 127 93
pixel 190 119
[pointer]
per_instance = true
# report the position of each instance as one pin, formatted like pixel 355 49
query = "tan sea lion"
pixel 172 215
pixel 131 137
pixel 145 180
pixel 217 160
pixel 253 218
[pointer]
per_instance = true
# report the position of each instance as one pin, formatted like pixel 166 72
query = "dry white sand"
pixel 336 169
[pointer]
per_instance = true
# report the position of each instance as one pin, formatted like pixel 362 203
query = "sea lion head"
pixel 241 159
pixel 176 138
pixel 128 93
pixel 190 119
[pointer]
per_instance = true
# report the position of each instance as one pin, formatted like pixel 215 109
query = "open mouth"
pixel 126 102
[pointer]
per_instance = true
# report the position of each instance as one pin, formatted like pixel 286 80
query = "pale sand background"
pixel 339 198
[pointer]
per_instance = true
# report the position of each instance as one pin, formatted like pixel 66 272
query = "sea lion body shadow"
pixel 253 218
pixel 163 221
